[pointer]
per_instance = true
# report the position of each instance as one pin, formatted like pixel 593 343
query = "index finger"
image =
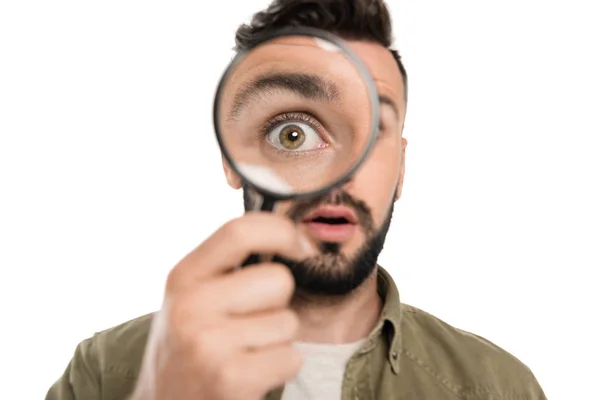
pixel 232 243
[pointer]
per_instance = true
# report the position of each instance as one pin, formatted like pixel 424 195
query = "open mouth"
pixel 330 221
pixel 332 215
pixel 331 224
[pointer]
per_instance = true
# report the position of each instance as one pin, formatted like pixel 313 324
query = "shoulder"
pixel 106 364
pixel 120 349
pixel 465 363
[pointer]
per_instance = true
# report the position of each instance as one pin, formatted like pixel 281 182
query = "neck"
pixel 341 319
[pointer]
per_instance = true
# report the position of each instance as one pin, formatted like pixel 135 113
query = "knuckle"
pixel 274 229
pixel 287 233
pixel 283 277
pixel 173 280
pixel 234 229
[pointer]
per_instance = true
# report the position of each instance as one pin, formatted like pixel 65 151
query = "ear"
pixel 402 164
pixel 232 178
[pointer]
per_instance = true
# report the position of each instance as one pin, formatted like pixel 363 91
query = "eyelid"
pixel 296 116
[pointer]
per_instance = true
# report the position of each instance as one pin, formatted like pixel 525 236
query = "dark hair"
pixel 350 19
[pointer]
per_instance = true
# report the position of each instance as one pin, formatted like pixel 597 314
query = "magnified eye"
pixel 296 137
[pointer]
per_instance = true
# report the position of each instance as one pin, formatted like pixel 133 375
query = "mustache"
pixel 337 197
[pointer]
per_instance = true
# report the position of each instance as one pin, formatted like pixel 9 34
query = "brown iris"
pixel 292 137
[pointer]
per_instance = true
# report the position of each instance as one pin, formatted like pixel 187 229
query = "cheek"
pixel 282 207
pixel 376 180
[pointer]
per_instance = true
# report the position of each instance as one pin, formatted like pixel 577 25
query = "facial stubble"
pixel 333 273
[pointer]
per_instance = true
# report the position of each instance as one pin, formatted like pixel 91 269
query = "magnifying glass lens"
pixel 295 114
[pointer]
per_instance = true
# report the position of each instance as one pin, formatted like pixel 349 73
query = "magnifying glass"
pixel 295 115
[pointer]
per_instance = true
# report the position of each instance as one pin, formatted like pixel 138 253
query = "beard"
pixel 333 273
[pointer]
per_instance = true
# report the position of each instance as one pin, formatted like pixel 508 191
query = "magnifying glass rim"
pixel 362 69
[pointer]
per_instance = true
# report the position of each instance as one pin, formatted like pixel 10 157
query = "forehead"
pixel 378 60
pixel 304 66
pixel 383 69
pixel 296 54
pixel 301 52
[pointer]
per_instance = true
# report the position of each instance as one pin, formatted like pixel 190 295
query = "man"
pixel 324 322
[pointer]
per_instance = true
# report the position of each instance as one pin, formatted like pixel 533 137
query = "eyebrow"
pixel 309 86
pixel 388 101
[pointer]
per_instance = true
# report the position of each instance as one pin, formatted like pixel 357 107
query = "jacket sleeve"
pixel 81 378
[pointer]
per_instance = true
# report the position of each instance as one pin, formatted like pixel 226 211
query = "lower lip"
pixel 329 232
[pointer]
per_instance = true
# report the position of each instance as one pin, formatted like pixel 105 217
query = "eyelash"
pixel 302 117
pixel 291 117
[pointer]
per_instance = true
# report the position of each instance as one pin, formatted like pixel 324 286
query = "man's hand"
pixel 225 334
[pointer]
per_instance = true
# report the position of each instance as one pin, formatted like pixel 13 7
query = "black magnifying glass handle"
pixel 267 204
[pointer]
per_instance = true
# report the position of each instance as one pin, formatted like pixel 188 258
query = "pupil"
pixel 292 137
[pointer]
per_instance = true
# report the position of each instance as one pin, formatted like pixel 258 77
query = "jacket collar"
pixel 387 325
pixel 391 316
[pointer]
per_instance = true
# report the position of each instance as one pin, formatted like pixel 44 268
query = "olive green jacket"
pixel 409 355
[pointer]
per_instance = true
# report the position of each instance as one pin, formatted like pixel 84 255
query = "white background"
pixel 110 173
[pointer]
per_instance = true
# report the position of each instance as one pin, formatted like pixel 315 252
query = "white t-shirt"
pixel 322 372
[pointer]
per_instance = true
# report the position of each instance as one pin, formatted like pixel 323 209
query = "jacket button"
pixel 395 355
